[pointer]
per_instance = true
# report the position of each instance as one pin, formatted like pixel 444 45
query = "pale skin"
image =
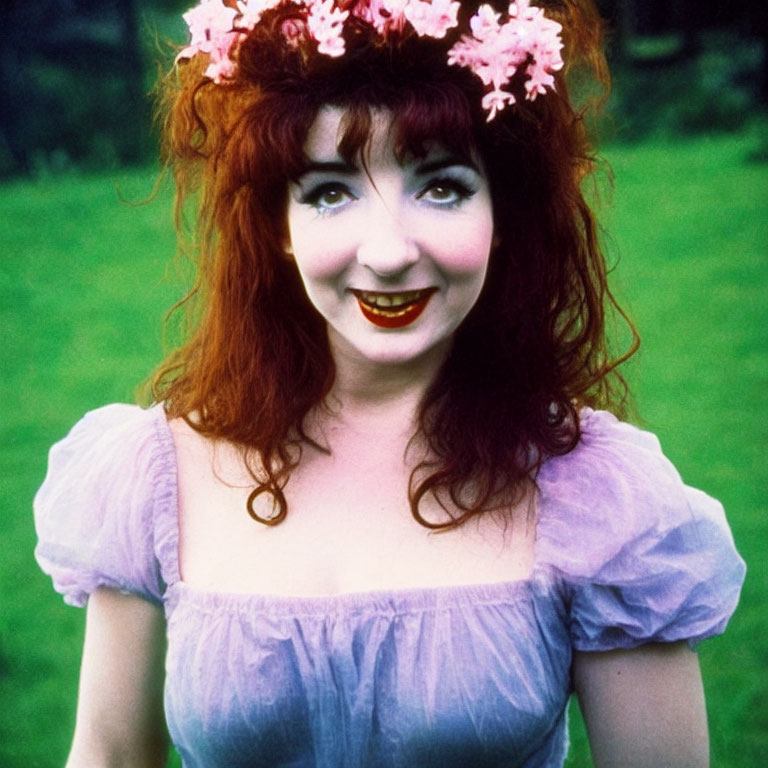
pixel 349 519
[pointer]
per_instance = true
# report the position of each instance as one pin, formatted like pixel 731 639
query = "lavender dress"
pixel 476 675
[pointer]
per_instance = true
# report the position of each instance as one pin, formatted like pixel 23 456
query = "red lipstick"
pixel 393 310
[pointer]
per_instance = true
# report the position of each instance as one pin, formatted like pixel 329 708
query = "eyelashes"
pixel 446 192
pixel 327 197
pixel 440 192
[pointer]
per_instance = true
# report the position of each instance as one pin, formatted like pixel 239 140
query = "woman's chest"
pixel 349 529
pixel 349 635
pixel 474 675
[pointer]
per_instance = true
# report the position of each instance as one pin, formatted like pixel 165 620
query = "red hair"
pixel 531 352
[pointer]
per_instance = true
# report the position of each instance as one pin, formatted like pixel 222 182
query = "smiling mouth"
pixel 393 310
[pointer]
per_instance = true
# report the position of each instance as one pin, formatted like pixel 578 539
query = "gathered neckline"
pixel 395 601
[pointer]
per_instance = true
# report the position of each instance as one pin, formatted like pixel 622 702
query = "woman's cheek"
pixel 320 251
pixel 469 252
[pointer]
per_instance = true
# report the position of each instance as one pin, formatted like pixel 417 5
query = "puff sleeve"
pixel 95 513
pixel 643 557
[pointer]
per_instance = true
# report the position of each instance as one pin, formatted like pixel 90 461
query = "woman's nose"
pixel 385 245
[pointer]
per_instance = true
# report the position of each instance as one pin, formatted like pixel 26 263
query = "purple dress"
pixel 449 676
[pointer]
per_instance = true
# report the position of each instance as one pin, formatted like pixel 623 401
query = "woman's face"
pixel 393 255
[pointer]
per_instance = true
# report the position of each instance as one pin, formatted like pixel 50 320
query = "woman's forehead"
pixel 327 134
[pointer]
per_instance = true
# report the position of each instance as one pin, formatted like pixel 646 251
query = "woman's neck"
pixel 384 396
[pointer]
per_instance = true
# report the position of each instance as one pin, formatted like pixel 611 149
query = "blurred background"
pixel 88 271
pixel 75 74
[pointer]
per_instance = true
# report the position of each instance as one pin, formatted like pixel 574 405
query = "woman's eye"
pixel 328 197
pixel 445 192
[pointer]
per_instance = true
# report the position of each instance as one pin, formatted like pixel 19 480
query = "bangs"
pixel 435 116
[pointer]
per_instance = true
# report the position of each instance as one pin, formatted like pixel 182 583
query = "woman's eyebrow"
pixel 445 161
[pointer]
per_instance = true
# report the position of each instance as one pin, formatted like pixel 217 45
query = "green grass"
pixel 84 285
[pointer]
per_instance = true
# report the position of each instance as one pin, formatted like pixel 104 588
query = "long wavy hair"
pixel 531 352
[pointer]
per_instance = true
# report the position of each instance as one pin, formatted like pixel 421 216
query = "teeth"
pixel 389 312
pixel 387 300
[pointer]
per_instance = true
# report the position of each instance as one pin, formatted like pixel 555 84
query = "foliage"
pixel 85 68
pixel 718 89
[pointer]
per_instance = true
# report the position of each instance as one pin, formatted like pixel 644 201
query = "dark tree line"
pixel 73 72
pixel 72 81
pixel 688 18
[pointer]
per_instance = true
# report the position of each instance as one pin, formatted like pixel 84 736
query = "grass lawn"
pixel 85 281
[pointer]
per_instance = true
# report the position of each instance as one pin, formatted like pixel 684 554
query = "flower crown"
pixel 494 50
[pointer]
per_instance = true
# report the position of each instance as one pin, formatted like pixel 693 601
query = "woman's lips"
pixel 393 310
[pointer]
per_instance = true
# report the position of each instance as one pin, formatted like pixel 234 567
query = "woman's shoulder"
pixel 120 426
pixel 108 444
pixel 106 509
pixel 605 438
pixel 614 488
pixel 617 471
pixel 640 549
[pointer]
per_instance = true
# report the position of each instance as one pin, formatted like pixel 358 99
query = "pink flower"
pixel 462 53
pixel 521 10
pixel 220 69
pixel 221 66
pixel 484 23
pixel 207 20
pixel 326 24
pixel 332 45
pixel 539 80
pixel 496 100
pixel 210 28
pixel 432 19
pixel 293 30
pixel 251 11
pixel 385 15
pixel 495 51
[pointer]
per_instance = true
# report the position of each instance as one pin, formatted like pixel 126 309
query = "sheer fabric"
pixel 449 676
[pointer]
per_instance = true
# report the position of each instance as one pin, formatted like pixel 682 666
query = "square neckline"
pixel 404 598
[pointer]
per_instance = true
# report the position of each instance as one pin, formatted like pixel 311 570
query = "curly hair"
pixel 532 351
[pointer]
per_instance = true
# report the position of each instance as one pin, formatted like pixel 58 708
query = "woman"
pixel 374 514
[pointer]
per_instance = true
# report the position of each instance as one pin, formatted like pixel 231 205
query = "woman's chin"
pixel 389 348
